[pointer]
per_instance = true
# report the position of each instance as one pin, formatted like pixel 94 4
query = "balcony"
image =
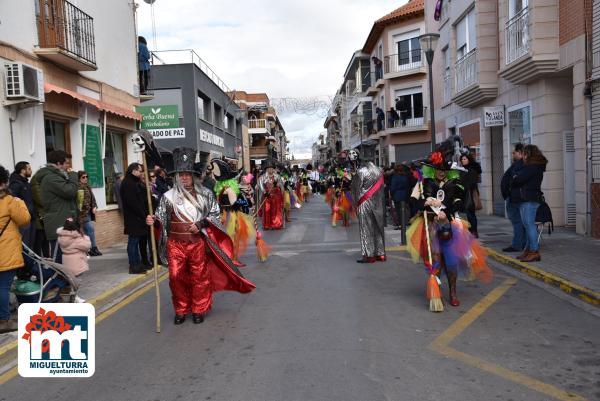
pixel 376 82
pixel 407 121
pixel 258 126
pixel 66 35
pixel 530 51
pixel 471 87
pixel 259 152
pixel 407 63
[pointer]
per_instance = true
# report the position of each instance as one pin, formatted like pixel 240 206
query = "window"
pixel 201 108
pixel 409 51
pixel 225 121
pixel 57 136
pixel 409 106
pixel 516 6
pixel 217 120
pixel 466 35
pixel 114 162
pixel 358 79
pixel 519 125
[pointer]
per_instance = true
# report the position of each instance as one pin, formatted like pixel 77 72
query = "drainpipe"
pixel 12 117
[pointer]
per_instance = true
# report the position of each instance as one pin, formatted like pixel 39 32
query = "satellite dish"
pixel 149 1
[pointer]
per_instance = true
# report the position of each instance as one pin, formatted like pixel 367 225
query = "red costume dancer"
pixel 198 251
pixel 270 187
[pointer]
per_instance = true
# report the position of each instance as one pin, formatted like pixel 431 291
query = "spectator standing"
pixel 162 184
pixel 135 210
pixel 208 181
pixel 400 188
pixel 470 179
pixel 528 181
pixel 87 212
pixel 378 67
pixel 13 214
pixel 75 246
pixel 143 63
pixel 56 186
pixel 20 187
pixel 512 199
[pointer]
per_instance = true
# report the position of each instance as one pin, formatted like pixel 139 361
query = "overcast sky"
pixel 291 48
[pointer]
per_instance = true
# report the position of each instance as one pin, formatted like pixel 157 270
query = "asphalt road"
pixel 322 327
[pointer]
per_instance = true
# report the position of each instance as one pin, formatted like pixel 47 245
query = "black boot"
pixel 452 286
pixel 137 269
pixel 95 252
pixel 179 319
pixel 197 318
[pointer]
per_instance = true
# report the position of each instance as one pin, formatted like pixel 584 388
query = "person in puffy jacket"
pixel 75 246
pixel 527 182
pixel 13 214
pixel 512 199
pixel 400 190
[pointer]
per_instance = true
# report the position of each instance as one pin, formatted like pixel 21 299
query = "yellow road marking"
pixel 399 257
pixel 441 345
pixel 396 248
pixel 10 374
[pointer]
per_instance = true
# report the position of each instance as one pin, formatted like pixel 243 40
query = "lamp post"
pixel 428 43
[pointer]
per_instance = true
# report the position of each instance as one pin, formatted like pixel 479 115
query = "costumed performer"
pixel 192 240
pixel 270 189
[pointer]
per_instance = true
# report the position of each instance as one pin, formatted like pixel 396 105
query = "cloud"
pixel 286 49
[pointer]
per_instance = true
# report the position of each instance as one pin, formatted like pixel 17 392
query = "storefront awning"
pixel 109 108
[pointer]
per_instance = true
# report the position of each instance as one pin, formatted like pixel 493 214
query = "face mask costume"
pixel 192 240
pixel 439 236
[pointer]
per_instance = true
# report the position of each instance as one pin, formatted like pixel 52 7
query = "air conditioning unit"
pixel 23 82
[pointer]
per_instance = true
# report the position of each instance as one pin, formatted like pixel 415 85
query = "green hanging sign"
pixel 92 161
pixel 159 117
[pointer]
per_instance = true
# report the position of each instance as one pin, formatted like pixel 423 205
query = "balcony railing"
pixel 517 36
pixel 466 71
pixel 403 62
pixel 63 26
pixel 411 118
pixel 261 123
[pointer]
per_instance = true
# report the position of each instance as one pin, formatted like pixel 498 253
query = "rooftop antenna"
pixel 151 2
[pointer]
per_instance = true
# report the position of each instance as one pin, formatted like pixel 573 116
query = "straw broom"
pixel 434 293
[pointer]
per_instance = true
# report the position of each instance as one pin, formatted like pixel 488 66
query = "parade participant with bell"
pixel 192 240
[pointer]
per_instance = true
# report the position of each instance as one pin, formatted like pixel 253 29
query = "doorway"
pixel 497 170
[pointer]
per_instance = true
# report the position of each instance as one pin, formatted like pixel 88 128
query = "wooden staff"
pixel 153 242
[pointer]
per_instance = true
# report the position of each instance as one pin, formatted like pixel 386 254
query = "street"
pixel 321 327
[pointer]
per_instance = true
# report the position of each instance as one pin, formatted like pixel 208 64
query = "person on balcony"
pixel 394 116
pixel 378 68
pixel 143 64
pixel 380 118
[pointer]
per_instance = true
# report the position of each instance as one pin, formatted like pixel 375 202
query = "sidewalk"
pixel 569 261
pixel 106 283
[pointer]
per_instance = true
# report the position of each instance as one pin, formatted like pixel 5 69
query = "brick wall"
pixel 595 210
pixel 109 229
pixel 572 19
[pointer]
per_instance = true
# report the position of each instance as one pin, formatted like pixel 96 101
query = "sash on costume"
pixel 183 205
pixel 371 191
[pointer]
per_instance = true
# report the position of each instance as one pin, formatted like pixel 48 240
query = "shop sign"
pixel 168 133
pixel 213 139
pixel 493 116
pixel 159 117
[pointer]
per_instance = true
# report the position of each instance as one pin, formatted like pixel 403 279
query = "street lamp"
pixel 428 43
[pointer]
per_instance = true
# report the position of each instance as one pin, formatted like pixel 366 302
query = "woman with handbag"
pixel 13 214
pixel 470 178
pixel 528 181
pixel 87 211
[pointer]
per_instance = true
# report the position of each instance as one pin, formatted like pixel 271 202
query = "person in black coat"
pixel 135 210
pixel 470 179
pixel 512 199
pixel 19 187
pixel 528 183
pixel 400 189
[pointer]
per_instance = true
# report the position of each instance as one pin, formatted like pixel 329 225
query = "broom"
pixel 262 248
pixel 434 293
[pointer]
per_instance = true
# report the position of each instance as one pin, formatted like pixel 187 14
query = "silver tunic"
pixel 370 213
pixel 205 207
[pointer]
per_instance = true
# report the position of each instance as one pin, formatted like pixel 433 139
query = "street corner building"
pixel 70 77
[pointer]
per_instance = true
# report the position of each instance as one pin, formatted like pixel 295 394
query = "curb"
pixel 583 293
pixel 133 281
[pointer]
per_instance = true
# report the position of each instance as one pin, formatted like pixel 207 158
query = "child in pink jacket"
pixel 75 247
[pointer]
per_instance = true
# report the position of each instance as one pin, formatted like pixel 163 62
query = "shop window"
pixel 519 125
pixel 57 135
pixel 114 162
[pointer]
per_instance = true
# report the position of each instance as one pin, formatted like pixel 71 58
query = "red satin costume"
pixel 200 264
pixel 272 210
